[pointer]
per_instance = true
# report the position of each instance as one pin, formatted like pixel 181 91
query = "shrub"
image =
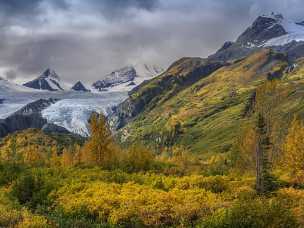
pixel 32 189
pixel 137 158
pixel 9 172
pixel 132 204
pixel 258 213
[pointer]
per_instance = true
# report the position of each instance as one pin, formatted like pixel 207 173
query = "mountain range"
pixel 203 104
pixel 198 103
pixel 70 108
pixel 125 77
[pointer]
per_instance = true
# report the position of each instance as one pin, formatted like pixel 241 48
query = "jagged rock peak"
pixel 264 28
pixel 79 87
pixel 49 73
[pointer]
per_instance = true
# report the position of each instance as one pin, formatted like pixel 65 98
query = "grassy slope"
pixel 211 111
pixel 34 138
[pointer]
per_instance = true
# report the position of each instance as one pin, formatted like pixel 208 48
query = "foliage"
pixel 99 149
pixel 137 158
pixel 256 213
pixel 293 157
pixel 32 189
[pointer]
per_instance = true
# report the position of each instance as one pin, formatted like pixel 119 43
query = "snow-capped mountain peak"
pixel 48 80
pixel 126 78
pixel 49 73
pixel 275 16
pixel 123 75
pixel 79 87
pixel 272 30
pixel 294 32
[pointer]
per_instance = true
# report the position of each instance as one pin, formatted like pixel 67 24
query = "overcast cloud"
pixel 83 40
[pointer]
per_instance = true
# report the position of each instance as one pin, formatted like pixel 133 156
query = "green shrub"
pixel 258 213
pixel 9 172
pixel 32 189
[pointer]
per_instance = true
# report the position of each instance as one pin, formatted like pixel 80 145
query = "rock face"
pixel 36 106
pixel 263 29
pixel 29 117
pixel 127 77
pixel 123 75
pixel 266 31
pixel 80 87
pixel 49 80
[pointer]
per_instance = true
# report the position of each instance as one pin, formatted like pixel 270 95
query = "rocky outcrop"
pixel 36 106
pixel 29 117
pixel 49 80
pixel 263 28
pixel 80 87
pixel 123 75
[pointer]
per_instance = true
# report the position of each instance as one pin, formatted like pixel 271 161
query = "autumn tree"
pixel 99 149
pixel 244 154
pixel 266 99
pixel 67 158
pixel 293 156
pixel 32 155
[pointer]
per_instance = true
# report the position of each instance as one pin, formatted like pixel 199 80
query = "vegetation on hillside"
pixel 98 184
pixel 225 151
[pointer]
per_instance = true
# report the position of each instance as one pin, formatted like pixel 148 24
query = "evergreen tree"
pixel 12 154
pixel 264 178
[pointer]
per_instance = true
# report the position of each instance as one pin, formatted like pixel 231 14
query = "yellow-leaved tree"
pixel 99 149
pixel 293 157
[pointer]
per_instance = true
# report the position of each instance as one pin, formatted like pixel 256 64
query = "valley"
pixel 213 141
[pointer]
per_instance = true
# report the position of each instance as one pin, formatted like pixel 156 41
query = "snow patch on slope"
pixel 295 33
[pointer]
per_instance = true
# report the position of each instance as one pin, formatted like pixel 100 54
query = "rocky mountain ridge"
pixel 48 80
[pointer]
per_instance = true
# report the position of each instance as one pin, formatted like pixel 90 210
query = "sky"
pixel 86 39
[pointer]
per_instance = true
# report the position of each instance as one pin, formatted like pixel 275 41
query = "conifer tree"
pixel 264 178
pixel 99 150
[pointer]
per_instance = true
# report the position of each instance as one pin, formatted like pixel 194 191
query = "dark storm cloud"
pixel 85 39
pixel 118 6
pixel 17 7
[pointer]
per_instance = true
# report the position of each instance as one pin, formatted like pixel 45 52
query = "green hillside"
pixel 208 115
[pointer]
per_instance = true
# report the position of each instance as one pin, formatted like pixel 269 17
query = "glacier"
pixel 74 108
pixel 72 111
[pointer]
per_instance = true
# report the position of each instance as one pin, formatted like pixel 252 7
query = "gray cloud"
pixel 83 40
pixel 10 75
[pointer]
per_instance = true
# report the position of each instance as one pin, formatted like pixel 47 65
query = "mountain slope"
pixel 49 80
pixel 179 75
pixel 79 87
pixel 207 115
pixel 7 86
pixel 266 31
pixel 127 78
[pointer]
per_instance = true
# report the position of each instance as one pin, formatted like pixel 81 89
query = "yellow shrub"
pixel 294 198
pixel 130 203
